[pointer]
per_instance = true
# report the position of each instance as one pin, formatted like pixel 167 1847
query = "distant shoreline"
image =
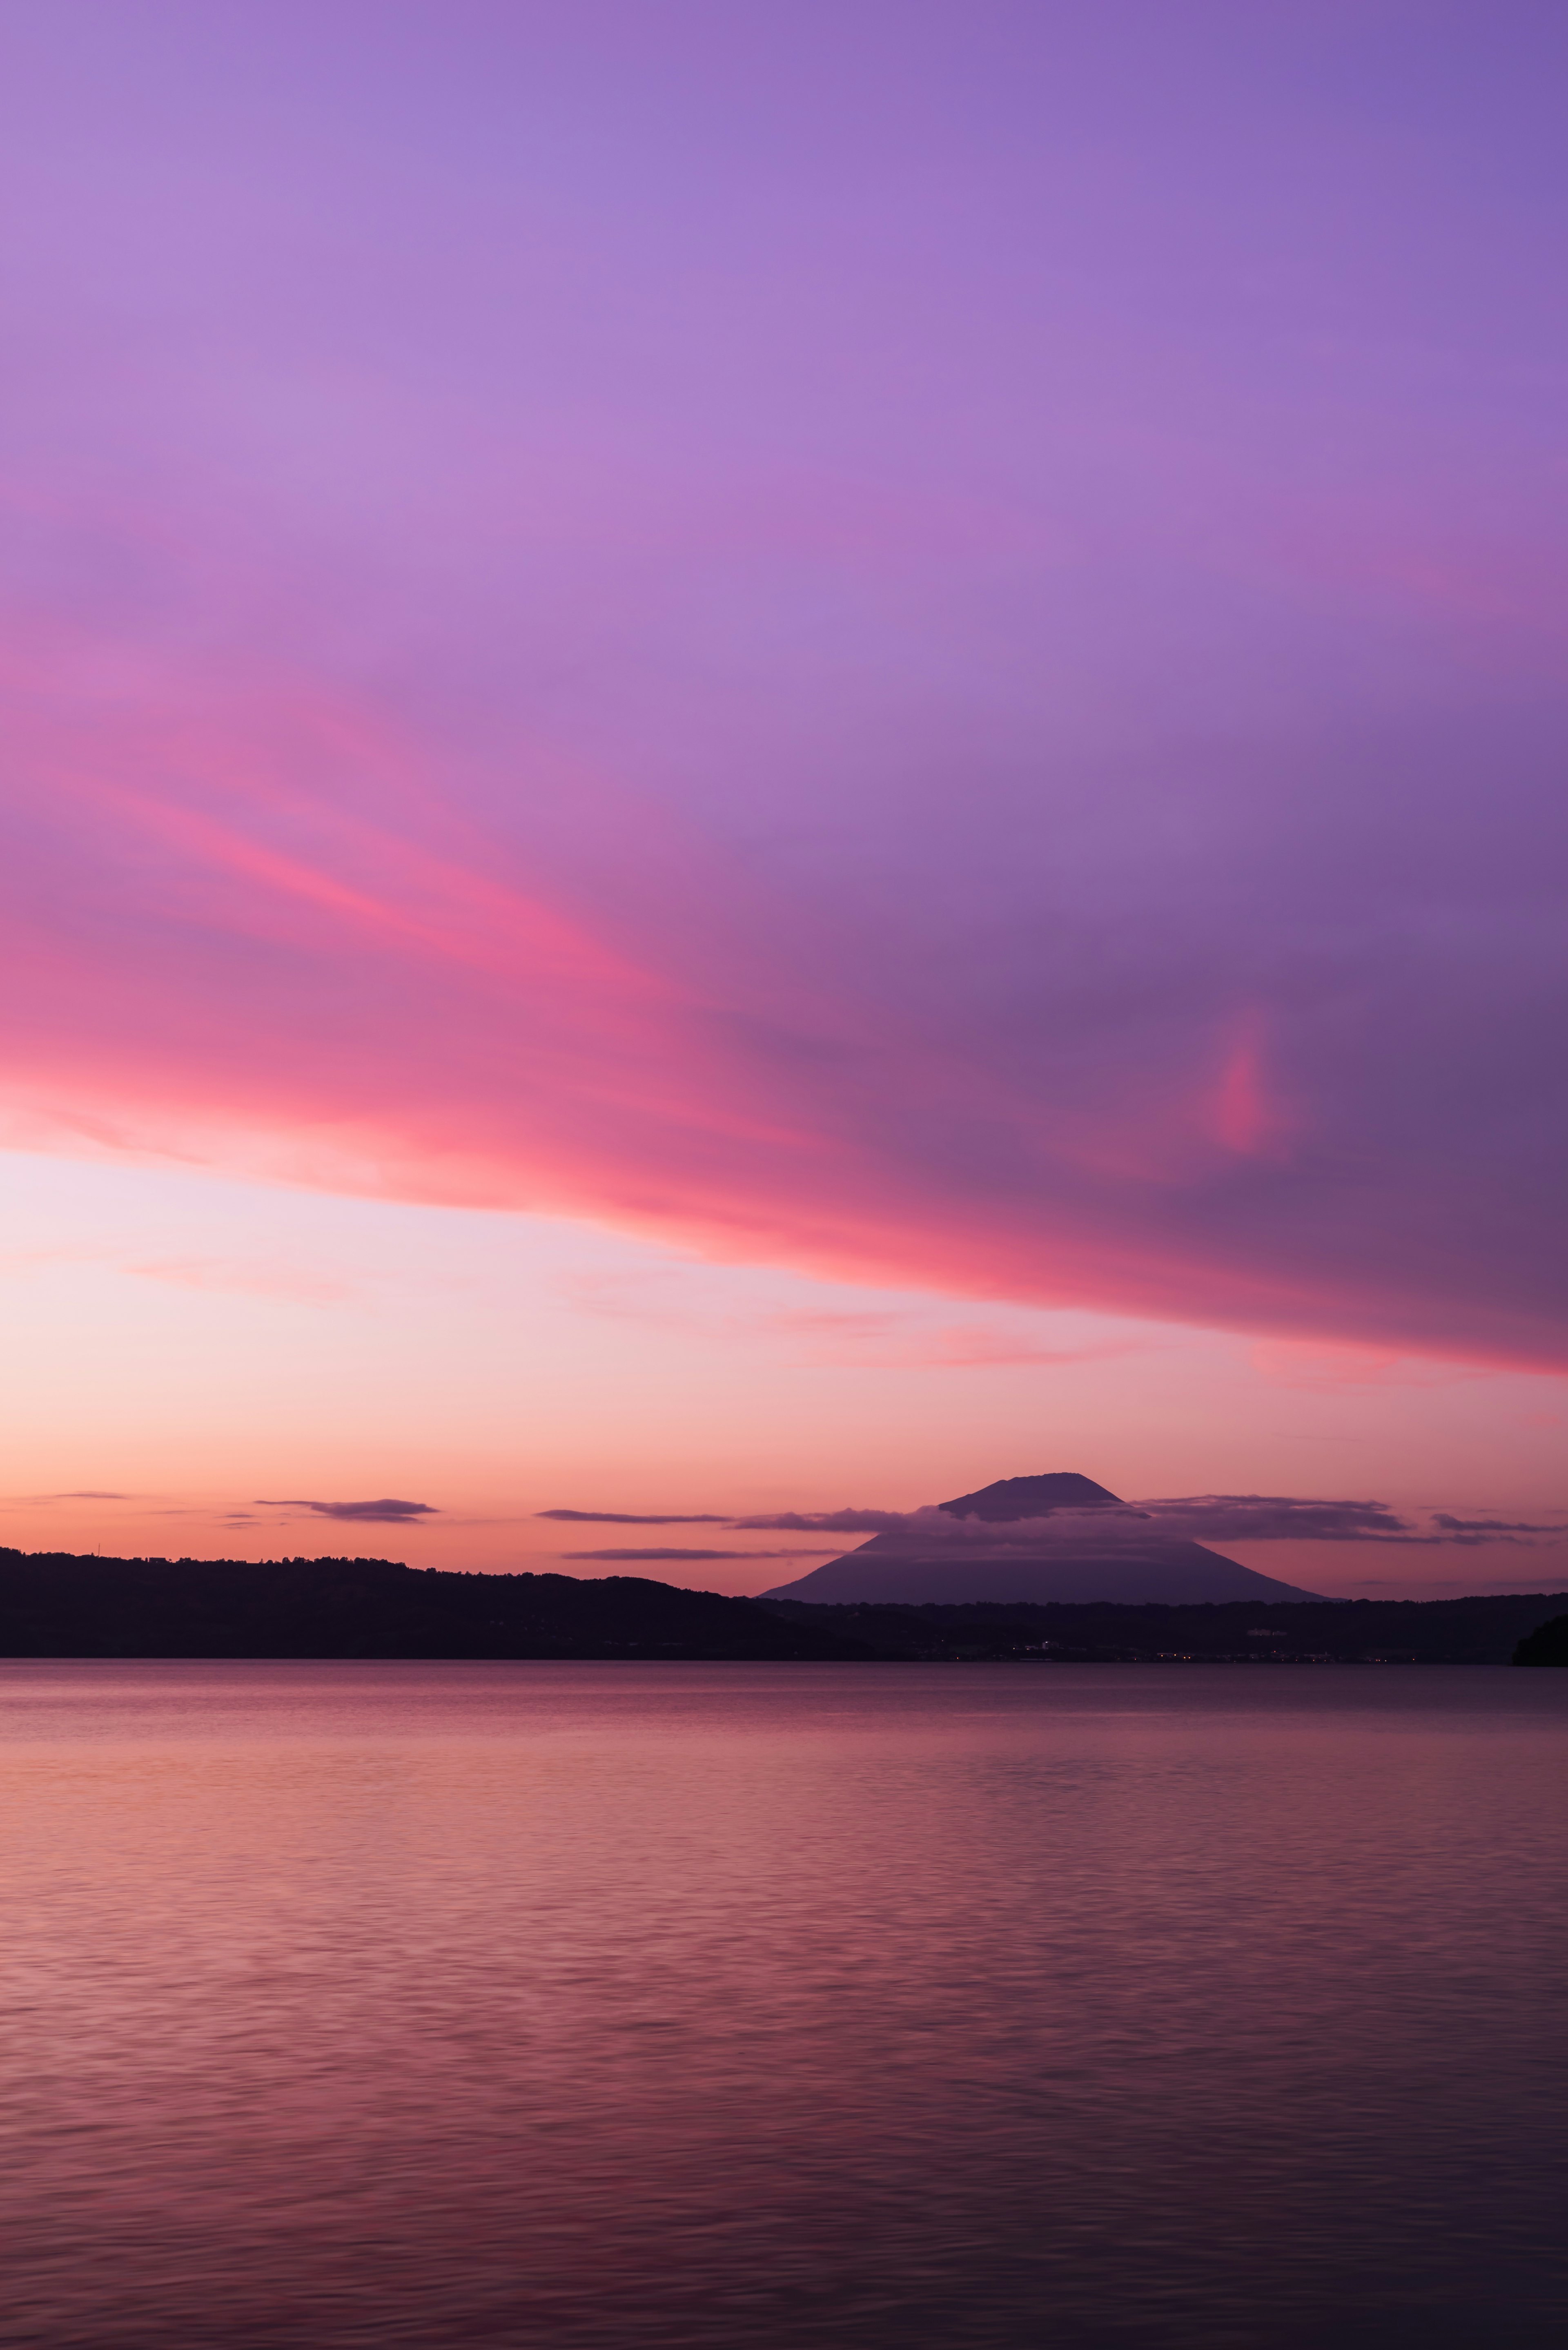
pixel 69 1609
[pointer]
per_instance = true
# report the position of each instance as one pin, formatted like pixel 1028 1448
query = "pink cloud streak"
pixel 381 1005
pixel 890 718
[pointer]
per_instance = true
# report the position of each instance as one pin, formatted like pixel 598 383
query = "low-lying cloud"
pixel 1494 1527
pixel 1278 1517
pixel 670 1557
pixel 633 1518
pixel 1275 1517
pixel 835 1522
pixel 385 1513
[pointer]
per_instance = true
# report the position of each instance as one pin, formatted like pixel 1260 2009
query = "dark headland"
pixel 1547 1645
pixel 59 1604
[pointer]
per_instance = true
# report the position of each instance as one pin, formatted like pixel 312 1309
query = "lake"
pixel 783 2005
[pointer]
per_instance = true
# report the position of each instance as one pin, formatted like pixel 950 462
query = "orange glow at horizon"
pixel 183 1344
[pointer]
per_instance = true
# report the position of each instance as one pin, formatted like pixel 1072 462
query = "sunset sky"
pixel 765 757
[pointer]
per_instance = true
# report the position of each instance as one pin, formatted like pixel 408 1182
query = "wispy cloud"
pixel 226 1275
pixel 908 1342
pixel 837 1337
pixel 286 1283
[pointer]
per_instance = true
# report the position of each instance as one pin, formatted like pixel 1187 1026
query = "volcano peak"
pixel 1032 1497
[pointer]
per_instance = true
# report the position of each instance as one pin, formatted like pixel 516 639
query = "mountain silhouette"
pixel 1012 1498
pixel 1106 1550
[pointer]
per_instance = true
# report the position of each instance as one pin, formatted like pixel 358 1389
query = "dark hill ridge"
pixel 57 1605
pixel 1119 1560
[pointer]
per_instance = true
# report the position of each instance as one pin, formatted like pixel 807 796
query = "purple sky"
pixel 920 643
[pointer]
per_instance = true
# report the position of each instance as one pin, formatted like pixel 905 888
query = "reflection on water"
pixel 782 2005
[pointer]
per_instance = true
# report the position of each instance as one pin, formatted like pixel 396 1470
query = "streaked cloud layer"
pixel 924 646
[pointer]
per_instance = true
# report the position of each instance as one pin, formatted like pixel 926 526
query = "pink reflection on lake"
pixel 350 2004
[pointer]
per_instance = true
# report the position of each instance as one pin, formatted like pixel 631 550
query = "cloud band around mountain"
pixel 1198 1517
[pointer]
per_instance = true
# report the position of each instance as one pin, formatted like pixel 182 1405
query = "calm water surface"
pixel 779 2005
